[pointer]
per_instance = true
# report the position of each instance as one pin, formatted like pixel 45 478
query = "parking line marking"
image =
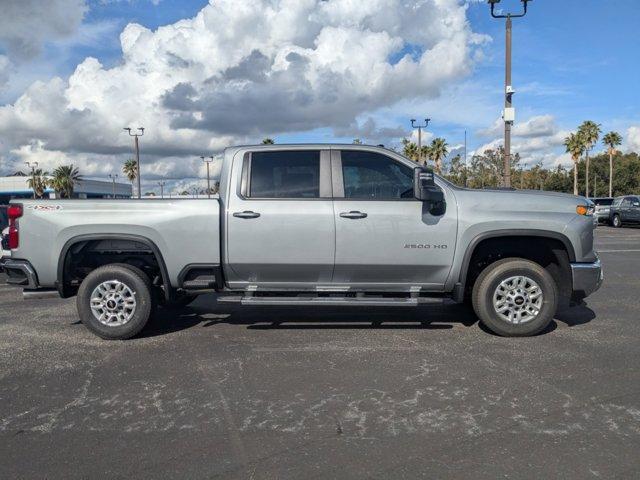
pixel 617 251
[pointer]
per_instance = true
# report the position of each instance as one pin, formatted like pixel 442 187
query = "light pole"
pixel 509 112
pixel 465 157
pixel 113 183
pixel 136 135
pixel 420 127
pixel 32 166
pixel 162 183
pixel 208 161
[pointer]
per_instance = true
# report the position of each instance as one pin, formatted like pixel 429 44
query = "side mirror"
pixel 425 189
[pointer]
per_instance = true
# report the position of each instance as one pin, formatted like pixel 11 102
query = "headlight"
pixel 584 210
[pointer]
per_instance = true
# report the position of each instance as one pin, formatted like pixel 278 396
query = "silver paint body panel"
pixel 304 244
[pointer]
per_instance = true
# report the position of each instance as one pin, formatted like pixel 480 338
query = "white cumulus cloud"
pixel 242 69
pixel 633 138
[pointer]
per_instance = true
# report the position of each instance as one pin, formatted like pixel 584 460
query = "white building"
pixel 17 186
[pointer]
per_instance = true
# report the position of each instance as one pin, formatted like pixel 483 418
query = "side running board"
pixel 332 301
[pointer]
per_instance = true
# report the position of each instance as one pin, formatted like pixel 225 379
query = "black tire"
pixel 616 222
pixel 487 284
pixel 138 284
pixel 178 302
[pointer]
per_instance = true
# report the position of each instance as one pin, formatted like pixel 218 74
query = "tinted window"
pixel 603 201
pixel 292 174
pixel 372 175
pixel 4 218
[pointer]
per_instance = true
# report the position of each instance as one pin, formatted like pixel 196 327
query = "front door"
pixel 384 236
pixel 280 228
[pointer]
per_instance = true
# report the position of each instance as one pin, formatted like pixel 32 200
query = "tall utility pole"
pixel 113 183
pixel 136 135
pixel 162 183
pixel 32 166
pixel 208 161
pixel 420 127
pixel 509 114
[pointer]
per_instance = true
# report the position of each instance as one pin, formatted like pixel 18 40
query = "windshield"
pixel 603 201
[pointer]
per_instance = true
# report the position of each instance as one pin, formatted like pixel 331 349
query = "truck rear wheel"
pixel 515 297
pixel 115 301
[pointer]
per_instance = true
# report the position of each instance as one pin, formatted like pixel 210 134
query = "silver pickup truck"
pixel 310 225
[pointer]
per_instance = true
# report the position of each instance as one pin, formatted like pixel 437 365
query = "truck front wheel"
pixel 115 301
pixel 514 297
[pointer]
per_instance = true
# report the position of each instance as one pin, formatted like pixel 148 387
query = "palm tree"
pixel 575 147
pixel 64 179
pixel 611 140
pixel 589 132
pixel 38 183
pixel 410 150
pixel 438 150
pixel 130 170
pixel 268 141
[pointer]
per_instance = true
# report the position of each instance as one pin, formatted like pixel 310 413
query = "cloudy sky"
pixel 202 76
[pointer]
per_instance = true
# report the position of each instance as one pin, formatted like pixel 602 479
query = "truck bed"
pixel 185 231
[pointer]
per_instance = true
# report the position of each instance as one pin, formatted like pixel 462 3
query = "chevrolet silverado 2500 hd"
pixel 311 225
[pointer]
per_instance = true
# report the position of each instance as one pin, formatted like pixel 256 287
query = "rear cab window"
pixel 293 174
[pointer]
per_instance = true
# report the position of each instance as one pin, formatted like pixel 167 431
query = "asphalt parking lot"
pixel 220 392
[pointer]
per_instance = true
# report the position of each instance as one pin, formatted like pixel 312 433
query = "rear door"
pixel 280 226
pixel 385 238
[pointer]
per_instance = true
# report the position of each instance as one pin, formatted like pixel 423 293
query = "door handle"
pixel 246 214
pixel 353 214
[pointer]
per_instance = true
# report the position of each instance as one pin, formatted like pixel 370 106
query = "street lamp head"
pixel 141 130
pixel 493 3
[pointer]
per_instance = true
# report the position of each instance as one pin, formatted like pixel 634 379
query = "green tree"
pixel 575 147
pixel 438 150
pixel 611 140
pixel 457 173
pixel 130 170
pixel 64 179
pixel 38 182
pixel 268 141
pixel 410 150
pixel 589 133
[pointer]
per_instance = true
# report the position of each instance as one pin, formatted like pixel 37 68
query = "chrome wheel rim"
pixel 518 299
pixel 113 303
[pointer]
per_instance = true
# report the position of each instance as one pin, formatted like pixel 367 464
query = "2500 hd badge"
pixel 426 246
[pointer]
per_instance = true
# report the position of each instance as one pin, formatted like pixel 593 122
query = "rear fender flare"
pixel 168 291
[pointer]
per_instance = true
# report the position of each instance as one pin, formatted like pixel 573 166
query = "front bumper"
pixel 587 278
pixel 20 273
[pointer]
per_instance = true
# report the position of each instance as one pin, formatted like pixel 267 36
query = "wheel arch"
pixel 476 242
pixel 62 259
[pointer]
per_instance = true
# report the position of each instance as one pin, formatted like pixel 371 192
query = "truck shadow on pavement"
pixel 206 312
